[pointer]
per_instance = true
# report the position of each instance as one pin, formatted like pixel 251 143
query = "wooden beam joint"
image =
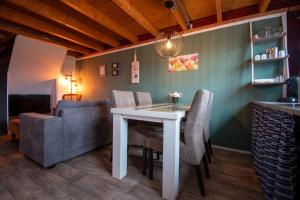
pixel 263 5
pixel 219 11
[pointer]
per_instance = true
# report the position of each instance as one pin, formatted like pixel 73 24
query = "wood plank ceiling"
pixel 88 26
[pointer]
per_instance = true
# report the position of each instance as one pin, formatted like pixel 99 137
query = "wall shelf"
pixel 258 83
pixel 270 60
pixel 284 61
pixel 276 37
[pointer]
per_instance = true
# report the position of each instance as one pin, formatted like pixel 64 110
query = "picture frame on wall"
pixel 115 72
pixel 115 65
pixel 102 71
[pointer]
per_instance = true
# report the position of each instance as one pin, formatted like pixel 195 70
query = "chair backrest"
pixel 122 99
pixel 194 128
pixel 143 98
pixel 72 97
pixel 208 114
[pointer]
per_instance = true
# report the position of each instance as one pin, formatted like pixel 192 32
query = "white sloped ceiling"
pixel 34 66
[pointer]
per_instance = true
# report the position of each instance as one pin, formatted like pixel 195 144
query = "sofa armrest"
pixel 41 138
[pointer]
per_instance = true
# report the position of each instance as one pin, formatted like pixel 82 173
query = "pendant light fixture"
pixel 169 43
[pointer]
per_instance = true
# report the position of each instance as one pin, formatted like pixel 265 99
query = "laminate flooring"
pixel 88 177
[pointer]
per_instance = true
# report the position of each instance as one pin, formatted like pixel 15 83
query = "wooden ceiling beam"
pixel 179 18
pixel 90 11
pixel 73 53
pixel 219 11
pixel 15 16
pixel 63 18
pixel 263 5
pixel 21 30
pixel 137 15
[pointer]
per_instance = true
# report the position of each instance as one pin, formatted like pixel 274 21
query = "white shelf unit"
pixel 284 60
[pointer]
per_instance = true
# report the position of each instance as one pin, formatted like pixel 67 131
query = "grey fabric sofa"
pixel 74 129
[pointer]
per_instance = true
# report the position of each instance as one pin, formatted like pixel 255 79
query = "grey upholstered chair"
pixel 192 148
pixel 143 98
pixel 137 134
pixel 207 142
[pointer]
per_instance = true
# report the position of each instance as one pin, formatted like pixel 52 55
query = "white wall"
pixel 63 86
pixel 34 66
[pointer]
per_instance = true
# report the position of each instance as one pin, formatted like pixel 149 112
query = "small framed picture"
pixel 115 65
pixel 102 70
pixel 114 72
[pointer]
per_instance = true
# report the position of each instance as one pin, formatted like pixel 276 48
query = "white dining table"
pixel 168 114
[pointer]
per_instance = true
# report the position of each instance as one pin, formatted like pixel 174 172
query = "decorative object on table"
pixel 175 96
pixel 169 43
pixel 115 65
pixel 102 71
pixel 184 63
pixel 115 72
pixel 135 69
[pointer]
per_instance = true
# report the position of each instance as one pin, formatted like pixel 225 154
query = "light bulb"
pixel 169 44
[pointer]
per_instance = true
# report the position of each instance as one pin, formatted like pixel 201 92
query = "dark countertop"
pixel 291 108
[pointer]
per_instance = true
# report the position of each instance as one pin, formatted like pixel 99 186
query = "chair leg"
pixel 13 136
pixel 200 179
pixel 207 150
pixel 145 151
pixel 205 164
pixel 110 159
pixel 157 155
pixel 150 162
pixel 210 147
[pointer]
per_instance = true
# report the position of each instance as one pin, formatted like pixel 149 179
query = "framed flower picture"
pixel 184 63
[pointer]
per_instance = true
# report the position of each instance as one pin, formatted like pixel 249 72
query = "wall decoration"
pixel 115 65
pixel 115 72
pixel 102 71
pixel 184 63
pixel 135 70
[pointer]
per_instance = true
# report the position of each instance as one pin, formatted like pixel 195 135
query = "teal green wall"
pixel 224 69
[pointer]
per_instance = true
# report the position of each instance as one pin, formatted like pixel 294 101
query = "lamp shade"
pixel 169 44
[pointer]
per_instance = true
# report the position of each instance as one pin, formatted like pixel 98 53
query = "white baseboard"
pixel 231 149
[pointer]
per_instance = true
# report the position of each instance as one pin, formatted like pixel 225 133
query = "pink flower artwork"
pixel 184 63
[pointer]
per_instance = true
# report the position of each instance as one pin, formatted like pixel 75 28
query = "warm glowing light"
pixel 63 81
pixel 169 44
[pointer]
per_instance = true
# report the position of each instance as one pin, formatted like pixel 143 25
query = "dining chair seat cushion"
pixel 137 135
pixel 155 141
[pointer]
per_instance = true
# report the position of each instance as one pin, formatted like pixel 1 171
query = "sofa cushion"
pixel 74 104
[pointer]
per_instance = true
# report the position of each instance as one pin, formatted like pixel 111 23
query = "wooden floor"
pixel 88 177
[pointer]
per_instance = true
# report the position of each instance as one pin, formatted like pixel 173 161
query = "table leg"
pixel 171 159
pixel 120 136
